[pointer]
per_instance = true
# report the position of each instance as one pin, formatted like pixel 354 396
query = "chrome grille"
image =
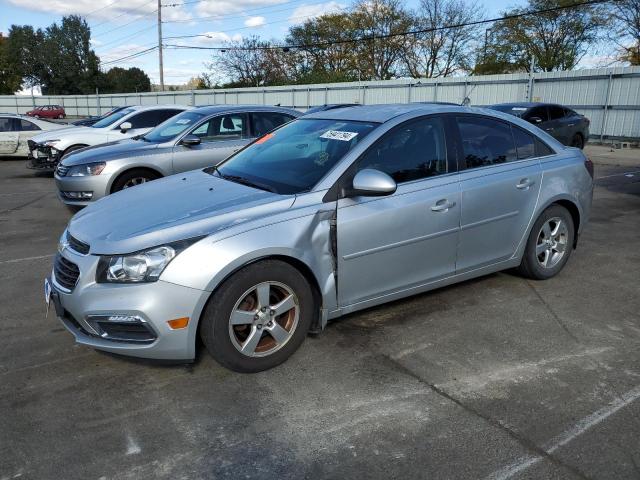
pixel 66 272
pixel 76 245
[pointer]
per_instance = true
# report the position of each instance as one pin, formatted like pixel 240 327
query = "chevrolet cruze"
pixel 329 214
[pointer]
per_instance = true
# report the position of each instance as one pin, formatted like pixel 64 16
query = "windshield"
pixel 295 157
pixel 114 117
pixel 173 127
pixel 512 109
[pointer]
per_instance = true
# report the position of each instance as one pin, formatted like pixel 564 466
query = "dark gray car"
pixel 565 125
pixel 193 139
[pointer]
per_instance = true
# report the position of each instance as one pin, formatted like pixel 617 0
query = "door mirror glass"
pixel 124 126
pixel 372 183
pixel 535 120
pixel 190 140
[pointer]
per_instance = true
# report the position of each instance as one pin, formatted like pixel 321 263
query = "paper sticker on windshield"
pixel 182 121
pixel 338 135
pixel 519 109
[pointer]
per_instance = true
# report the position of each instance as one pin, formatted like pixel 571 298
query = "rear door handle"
pixel 442 205
pixel 524 184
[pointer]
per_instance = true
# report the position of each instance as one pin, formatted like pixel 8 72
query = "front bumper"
pixel 69 187
pixel 154 303
pixel 42 157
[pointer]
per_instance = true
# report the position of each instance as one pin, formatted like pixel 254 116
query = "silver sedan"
pixel 193 139
pixel 332 213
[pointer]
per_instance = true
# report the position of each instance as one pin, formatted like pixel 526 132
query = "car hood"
pixel 173 208
pixel 62 132
pixel 110 151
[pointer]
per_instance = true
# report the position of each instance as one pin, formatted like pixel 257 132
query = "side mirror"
pixel 190 140
pixel 372 183
pixel 535 120
pixel 124 126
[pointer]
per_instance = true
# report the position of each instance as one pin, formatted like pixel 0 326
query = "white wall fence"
pixel 609 97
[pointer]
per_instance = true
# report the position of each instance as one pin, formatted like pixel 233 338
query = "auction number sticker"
pixel 338 135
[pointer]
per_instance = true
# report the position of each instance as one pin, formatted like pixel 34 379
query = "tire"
pixel 131 178
pixel 577 141
pixel 37 116
pixel 225 341
pixel 61 116
pixel 547 252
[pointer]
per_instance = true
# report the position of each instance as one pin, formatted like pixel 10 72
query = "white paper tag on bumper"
pixel 338 135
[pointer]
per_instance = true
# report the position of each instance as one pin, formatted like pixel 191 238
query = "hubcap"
pixel 264 319
pixel 134 181
pixel 552 242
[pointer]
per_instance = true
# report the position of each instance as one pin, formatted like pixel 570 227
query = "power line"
pixel 399 34
pixel 126 24
pixel 137 32
pixel 243 14
pixel 109 20
pixel 133 55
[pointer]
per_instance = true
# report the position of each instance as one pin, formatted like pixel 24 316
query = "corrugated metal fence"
pixel 609 97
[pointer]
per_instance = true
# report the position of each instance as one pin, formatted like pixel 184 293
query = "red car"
pixel 48 111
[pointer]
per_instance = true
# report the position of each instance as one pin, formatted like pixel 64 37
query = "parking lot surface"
pixel 498 377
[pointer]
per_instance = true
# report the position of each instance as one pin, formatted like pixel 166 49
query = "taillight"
pixel 588 164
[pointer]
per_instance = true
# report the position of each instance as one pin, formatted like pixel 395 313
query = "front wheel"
pixel 549 245
pixel 259 317
pixel 133 178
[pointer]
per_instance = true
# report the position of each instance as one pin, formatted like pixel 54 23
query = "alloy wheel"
pixel 264 319
pixel 551 244
pixel 132 182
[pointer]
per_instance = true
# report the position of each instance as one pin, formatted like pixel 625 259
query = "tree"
pixel 196 83
pixel 439 52
pixel 26 54
pixel 625 15
pixel 121 80
pixel 556 40
pixel 10 79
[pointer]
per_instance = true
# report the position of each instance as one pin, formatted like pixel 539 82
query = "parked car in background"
pixel 329 106
pixel 193 139
pixel 46 149
pixel 48 111
pixel 565 125
pixel 87 122
pixel 331 213
pixel 16 130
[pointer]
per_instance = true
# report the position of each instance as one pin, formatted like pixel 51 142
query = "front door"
pixel 9 135
pixel 219 137
pixel 499 188
pixel 388 244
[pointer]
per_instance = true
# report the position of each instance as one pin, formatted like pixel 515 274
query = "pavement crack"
pixel 527 444
pixel 555 316
pixel 26 204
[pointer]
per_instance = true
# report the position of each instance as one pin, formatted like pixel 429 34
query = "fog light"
pixel 78 195
pixel 122 328
pixel 177 323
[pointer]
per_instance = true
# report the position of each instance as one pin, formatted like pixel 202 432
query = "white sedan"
pixel 46 149
pixel 16 130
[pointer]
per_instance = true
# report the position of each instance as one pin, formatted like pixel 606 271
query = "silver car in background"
pixel 193 139
pixel 331 213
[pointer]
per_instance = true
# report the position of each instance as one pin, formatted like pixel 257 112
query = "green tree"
pixel 625 34
pixel 26 54
pixel 555 40
pixel 10 79
pixel 125 80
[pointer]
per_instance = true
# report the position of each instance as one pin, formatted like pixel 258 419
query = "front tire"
pixel 549 245
pixel 259 317
pixel 132 178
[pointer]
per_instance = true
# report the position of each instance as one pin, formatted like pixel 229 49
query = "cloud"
pixel 212 38
pixel 254 22
pixel 225 7
pixel 307 12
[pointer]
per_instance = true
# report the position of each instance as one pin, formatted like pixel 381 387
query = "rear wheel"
pixel 549 245
pixel 259 317
pixel 133 178
pixel 61 116
pixel 577 141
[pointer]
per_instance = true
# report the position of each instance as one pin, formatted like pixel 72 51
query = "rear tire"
pixel 549 244
pixel 259 317
pixel 577 141
pixel 132 178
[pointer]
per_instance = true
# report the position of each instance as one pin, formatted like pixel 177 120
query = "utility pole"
pixel 160 45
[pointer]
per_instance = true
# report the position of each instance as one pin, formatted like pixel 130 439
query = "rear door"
pixel 220 136
pixel 264 122
pixel 409 238
pixel 558 125
pixel 27 130
pixel 8 135
pixel 499 188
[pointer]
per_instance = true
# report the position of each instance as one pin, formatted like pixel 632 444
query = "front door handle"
pixel 442 205
pixel 524 184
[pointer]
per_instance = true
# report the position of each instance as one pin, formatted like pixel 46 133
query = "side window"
pixel 6 125
pixel 555 112
pixel 264 122
pixel 412 151
pixel 542 150
pixel 225 127
pixel 27 126
pixel 486 141
pixel 525 145
pixel 540 112
pixel 151 118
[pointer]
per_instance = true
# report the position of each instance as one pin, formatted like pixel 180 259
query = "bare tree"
pixel 625 15
pixel 440 52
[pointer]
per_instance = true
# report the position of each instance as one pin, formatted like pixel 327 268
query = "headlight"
pixel 51 143
pixel 145 266
pixel 86 170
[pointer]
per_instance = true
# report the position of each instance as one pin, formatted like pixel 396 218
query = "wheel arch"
pixel 124 171
pixel 75 146
pixel 574 210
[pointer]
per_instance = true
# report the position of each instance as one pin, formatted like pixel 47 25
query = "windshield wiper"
pixel 245 181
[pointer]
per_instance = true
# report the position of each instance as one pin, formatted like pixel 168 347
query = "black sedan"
pixel 562 123
pixel 87 122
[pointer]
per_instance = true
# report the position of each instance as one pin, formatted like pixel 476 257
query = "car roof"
pixel 211 109
pixel 525 104
pixel 155 107
pixel 386 112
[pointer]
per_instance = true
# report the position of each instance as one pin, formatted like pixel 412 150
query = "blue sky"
pixel 121 28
